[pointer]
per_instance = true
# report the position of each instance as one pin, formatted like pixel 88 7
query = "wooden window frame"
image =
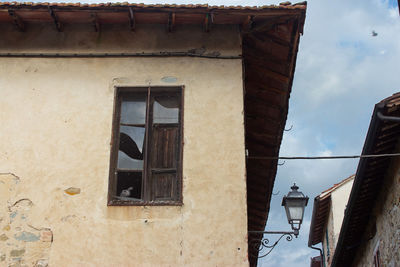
pixel 150 92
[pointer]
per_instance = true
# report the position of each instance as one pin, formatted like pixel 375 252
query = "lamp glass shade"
pixel 295 203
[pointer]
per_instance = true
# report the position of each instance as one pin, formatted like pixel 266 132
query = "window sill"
pixel 134 202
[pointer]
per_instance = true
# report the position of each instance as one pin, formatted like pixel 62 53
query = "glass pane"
pixel 130 154
pixel 296 213
pixel 166 109
pixel 129 185
pixel 133 109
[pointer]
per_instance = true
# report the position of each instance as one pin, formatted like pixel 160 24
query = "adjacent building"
pixel 327 217
pixel 358 223
pixel 125 130
pixel 370 233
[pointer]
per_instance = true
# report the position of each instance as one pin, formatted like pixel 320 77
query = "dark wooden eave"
pixel 132 14
pixel 321 208
pixel 382 138
pixel 269 54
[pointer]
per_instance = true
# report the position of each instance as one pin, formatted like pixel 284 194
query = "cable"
pixel 330 157
pixel 107 55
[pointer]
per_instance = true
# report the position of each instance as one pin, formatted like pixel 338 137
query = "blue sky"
pixel 342 72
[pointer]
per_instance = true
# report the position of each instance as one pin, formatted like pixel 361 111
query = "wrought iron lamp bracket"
pixel 263 246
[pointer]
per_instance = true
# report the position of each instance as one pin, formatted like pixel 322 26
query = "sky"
pixel 342 71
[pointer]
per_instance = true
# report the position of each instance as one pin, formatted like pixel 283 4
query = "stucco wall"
pixel 339 197
pixel 329 244
pixel 386 220
pixel 56 116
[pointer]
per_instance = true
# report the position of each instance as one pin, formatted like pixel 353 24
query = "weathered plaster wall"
pixel 328 242
pixel 386 221
pixel 56 116
pixel 339 197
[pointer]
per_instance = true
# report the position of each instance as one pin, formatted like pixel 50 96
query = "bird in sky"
pixel 374 33
pixel 126 192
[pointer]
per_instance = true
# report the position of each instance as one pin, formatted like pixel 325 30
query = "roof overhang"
pixel 321 208
pixel 382 138
pixel 20 13
pixel 319 218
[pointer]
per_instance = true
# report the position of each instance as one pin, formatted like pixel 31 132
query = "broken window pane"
pixel 129 185
pixel 133 110
pixel 146 160
pixel 166 109
pixel 130 154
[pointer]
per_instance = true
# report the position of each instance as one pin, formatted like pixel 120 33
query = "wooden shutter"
pixel 165 160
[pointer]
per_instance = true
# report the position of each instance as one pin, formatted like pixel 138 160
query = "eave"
pixel 321 208
pixel 382 138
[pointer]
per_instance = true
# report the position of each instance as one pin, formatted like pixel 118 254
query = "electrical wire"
pixel 329 157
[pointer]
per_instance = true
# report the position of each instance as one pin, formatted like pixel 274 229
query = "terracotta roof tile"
pixel 331 189
pixel 284 5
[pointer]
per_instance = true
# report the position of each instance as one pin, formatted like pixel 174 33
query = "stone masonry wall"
pixel 386 216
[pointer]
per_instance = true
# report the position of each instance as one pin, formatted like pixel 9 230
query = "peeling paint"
pixel 17 252
pixel 46 235
pixel 72 191
pixel 17 263
pixel 67 218
pixel 27 237
pixel 169 79
pixel 19 244
pixel 22 202
pixel 3 237
pixel 42 263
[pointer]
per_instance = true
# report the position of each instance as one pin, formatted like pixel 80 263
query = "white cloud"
pixel 342 72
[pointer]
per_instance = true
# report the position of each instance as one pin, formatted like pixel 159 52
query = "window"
pixel 146 155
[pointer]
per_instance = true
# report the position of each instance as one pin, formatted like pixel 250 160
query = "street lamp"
pixel 294 203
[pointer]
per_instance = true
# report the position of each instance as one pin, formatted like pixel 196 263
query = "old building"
pixel 370 233
pixel 125 130
pixel 327 217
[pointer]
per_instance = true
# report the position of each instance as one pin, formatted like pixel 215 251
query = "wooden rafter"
pixel 132 21
pixel 270 23
pixel 17 20
pixel 55 19
pixel 171 22
pixel 207 22
pixel 95 22
pixel 248 23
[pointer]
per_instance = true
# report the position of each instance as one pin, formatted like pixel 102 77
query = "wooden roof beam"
pixel 17 20
pixel 248 23
pixel 208 20
pixel 171 22
pixel 132 21
pixel 95 22
pixel 55 20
